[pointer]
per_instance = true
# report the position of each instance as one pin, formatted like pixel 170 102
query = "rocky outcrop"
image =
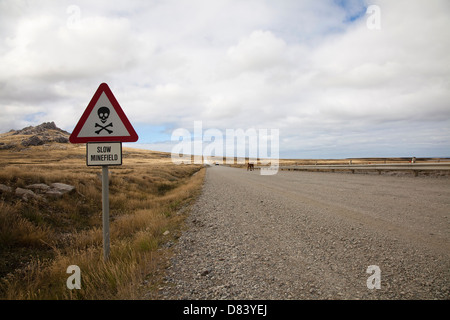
pixel 44 133
pixel 6 146
pixel 40 129
pixel 32 141
pixel 61 139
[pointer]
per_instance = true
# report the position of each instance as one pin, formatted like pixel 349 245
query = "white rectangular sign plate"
pixel 104 153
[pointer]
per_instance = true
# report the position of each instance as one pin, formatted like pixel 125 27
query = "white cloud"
pixel 44 48
pixel 260 51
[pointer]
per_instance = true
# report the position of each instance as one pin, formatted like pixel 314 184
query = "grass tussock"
pixel 40 238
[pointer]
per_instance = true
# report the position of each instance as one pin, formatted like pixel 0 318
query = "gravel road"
pixel 312 235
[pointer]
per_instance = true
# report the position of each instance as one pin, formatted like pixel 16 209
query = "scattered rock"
pixel 205 272
pixel 35 191
pixel 62 187
pixel 21 192
pixel 4 188
pixel 40 187
pixel 26 194
pixel 53 193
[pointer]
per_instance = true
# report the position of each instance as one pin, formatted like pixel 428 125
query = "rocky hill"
pixel 44 133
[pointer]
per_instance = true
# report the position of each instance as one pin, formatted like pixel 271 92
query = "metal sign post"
pixel 105 211
pixel 104 154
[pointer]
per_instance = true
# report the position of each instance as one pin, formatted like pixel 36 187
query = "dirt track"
pixel 301 235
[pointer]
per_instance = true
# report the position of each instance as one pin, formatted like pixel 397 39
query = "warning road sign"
pixel 104 126
pixel 103 120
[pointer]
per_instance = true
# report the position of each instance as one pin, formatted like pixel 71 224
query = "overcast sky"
pixel 336 79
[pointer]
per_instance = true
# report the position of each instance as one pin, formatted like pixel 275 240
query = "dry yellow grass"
pixel 40 238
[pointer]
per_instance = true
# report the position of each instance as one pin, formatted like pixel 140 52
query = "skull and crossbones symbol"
pixel 103 114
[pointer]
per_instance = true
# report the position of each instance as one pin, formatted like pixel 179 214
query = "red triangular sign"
pixel 103 120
